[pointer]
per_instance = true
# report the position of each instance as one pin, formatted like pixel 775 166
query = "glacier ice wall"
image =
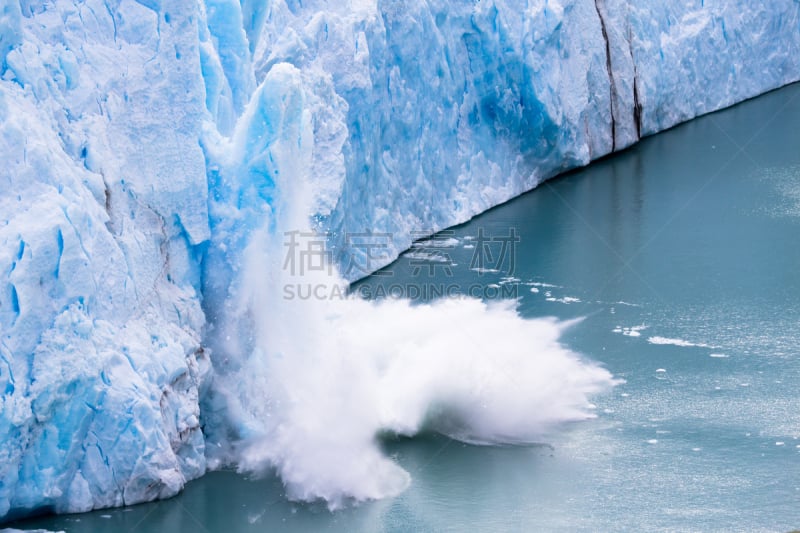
pixel 434 111
pixel 145 142
pixel 102 204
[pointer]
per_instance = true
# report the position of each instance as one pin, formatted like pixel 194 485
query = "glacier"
pixel 147 144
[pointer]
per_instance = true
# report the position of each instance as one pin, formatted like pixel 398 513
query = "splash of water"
pixel 308 384
pixel 325 377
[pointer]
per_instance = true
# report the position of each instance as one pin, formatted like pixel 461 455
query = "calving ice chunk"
pixel 155 154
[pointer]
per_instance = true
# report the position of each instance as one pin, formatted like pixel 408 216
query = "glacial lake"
pixel 682 256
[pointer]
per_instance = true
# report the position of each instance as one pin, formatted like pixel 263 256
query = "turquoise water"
pixel 682 256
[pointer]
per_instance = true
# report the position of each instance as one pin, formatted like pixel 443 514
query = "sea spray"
pixel 325 377
pixel 305 385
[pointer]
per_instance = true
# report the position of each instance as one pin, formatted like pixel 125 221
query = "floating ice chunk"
pixel 433 257
pixel 564 300
pixel 676 342
pixel 634 331
pixel 450 242
pixel 543 285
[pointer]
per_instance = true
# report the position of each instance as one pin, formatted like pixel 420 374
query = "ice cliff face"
pixel 430 112
pixel 102 205
pixel 144 142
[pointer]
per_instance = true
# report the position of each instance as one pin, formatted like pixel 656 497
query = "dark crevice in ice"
pixel 612 85
pixel 637 105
